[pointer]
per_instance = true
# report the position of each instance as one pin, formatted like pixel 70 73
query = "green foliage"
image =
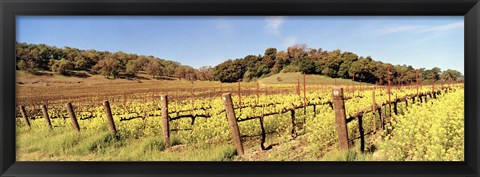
pixel 155 68
pixel 62 66
pixel 229 71
pixel 37 57
pixel 348 58
pixel 82 63
pixel 108 67
pixel 282 60
pixel 132 67
pixel 450 74
pixel 205 73
pixel 362 69
pixel 258 70
pixel 26 66
pixel 291 68
pixel 185 72
pixel 429 74
pixel 297 58
pixel 269 57
pixel 306 65
pixel 351 154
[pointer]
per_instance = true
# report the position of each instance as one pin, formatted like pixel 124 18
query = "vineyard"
pixel 241 120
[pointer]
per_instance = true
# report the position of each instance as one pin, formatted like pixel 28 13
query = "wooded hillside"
pixel 35 58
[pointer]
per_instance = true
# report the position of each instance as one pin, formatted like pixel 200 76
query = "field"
pixel 280 118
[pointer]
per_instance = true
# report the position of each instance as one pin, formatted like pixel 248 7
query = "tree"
pixel 256 71
pixel 379 71
pixel 330 64
pixel 26 65
pixel 108 67
pixel 81 63
pixel 62 66
pixel 306 65
pixel 450 74
pixel 29 58
pixel 92 57
pixel 363 70
pixel 122 58
pixel 142 62
pixel 436 73
pixel 180 72
pixel 281 60
pixel 428 74
pixel 155 68
pixel 269 57
pixel 229 71
pixel 403 74
pixel 189 73
pixel 132 68
pixel 170 67
pixel 41 54
pixel 205 73
pixel 348 58
pixel 254 66
pixel 297 51
pixel 185 72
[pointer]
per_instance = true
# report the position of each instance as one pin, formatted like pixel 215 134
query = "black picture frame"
pixel 470 9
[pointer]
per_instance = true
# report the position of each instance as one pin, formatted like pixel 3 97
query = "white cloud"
pixel 420 28
pixel 289 41
pixel 396 29
pixel 273 24
pixel 447 27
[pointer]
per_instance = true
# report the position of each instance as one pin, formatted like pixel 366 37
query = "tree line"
pixel 35 58
pixel 334 64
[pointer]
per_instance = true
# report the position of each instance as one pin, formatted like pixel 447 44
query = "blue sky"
pixel 208 40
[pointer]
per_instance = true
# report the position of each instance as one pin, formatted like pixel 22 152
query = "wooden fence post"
pixel 298 87
pixel 340 117
pixel 304 95
pixel 292 118
pixel 72 116
pixel 258 92
pixel 47 118
pixel 232 121
pixel 388 92
pixel 25 116
pixel 374 108
pixel 395 107
pixel 362 133
pixel 192 102
pixel 108 112
pixel 262 144
pixel 239 97
pixel 417 79
pixel 353 85
pixel 382 124
pixel 165 120
pixel 433 83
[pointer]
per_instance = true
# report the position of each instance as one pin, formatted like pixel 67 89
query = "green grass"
pixel 65 144
pixel 352 154
pixel 291 78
